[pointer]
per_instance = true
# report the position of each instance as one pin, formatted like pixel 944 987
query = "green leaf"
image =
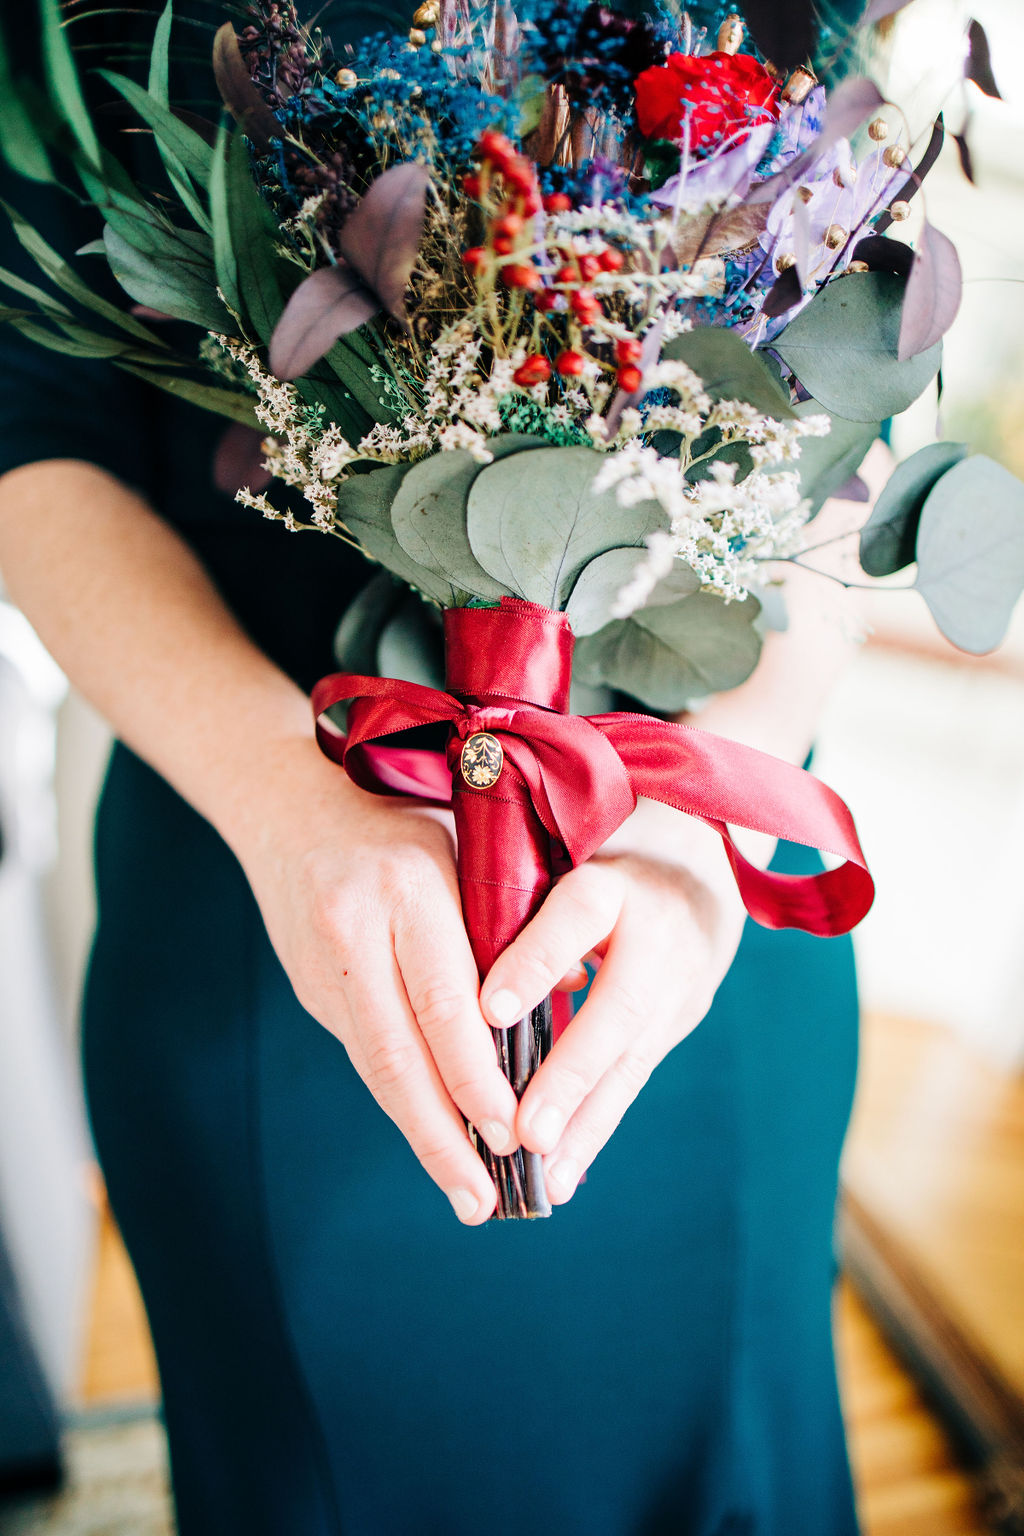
pixel 59 273
pixel 411 644
pixel 843 348
pixel 364 506
pixel 223 250
pixel 668 656
pixel 168 286
pixel 210 397
pixel 534 521
pixel 970 552
pixel 350 360
pixel 826 463
pixel 63 80
pixel 93 345
pixel 46 301
pixel 158 92
pixel 590 604
pixel 20 141
pixel 355 643
pixel 189 148
pixel 729 370
pixel 253 233
pixel 429 515
pixel 888 538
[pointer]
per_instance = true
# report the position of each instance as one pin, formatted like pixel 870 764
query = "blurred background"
pixel 926 744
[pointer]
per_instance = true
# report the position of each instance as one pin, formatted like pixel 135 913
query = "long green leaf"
pixel 63 80
pixel 45 300
pixel 187 146
pixel 59 273
pixel 20 142
pixel 158 92
pixel 223 251
pixel 167 285
pixel 102 346
pixel 253 231
pixel 222 402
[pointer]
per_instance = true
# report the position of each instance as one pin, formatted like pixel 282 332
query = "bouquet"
pixel 570 318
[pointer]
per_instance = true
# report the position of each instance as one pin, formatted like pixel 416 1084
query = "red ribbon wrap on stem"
pixel 568 781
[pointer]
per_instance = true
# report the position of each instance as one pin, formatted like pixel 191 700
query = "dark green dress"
pixel 339 1357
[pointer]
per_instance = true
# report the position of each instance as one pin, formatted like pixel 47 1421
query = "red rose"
pixel 719 93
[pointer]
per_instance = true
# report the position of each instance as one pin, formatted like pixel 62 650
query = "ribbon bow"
pixel 583 774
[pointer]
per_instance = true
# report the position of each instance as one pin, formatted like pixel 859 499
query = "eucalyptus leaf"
pixel 668 656
pixel 355 643
pixel 209 397
pixel 826 463
pixel 729 370
pixel 429 514
pixel 62 77
pixel 843 348
pixel 970 552
pixel 176 290
pixel 411 644
pixel 889 537
pixel 326 304
pixel 590 603
pixel 534 521
pixel 364 507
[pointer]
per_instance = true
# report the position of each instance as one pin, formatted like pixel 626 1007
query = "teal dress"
pixel 338 1356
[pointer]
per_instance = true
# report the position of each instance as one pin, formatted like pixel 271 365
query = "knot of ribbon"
pixel 584 773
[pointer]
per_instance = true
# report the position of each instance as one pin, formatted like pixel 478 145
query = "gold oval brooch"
pixel 482 760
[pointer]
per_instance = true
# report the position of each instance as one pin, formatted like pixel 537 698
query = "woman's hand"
pixel 360 899
pixel 658 908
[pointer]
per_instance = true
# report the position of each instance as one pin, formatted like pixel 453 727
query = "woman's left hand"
pixel 659 910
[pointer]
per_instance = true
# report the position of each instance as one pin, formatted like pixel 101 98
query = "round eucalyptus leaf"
pixel 364 506
pixel 826 463
pixel 355 641
pixel 729 370
pixel 429 514
pixel 843 347
pixel 888 538
pixel 590 603
pixel 970 552
pixel 411 644
pixel 534 521
pixel 668 656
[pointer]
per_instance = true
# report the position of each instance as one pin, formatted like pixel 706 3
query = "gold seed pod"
pixel 417 37
pixel 799 86
pixel 427 15
pixel 900 210
pixel 858 266
pixel 894 156
pixel 730 34
pixel 436 46
pixel 836 236
pixel 878 129
pixel 346 78
pixel 785 261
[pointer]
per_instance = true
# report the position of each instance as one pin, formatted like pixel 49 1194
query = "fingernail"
pixel 505 1007
pixel 464 1203
pixel 565 1175
pixel 545 1126
pixel 496 1135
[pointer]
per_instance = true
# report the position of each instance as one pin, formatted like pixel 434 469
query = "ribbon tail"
pixel 727 784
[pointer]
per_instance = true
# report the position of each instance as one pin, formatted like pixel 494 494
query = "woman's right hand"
pixel 360 899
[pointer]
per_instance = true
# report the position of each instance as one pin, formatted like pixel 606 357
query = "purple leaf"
pixel 912 185
pixel 240 96
pixel 979 61
pixel 329 303
pixel 783 294
pixel 878 10
pixel 884 255
pixel 238 460
pixel 850 103
pixel 853 489
pixel 933 294
pixel 381 237
pixel 963 149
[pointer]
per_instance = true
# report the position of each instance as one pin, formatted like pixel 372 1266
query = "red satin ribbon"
pixel 584 774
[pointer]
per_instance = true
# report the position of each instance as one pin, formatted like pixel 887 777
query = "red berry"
pixel 495 147
pixel 628 351
pixel 547 299
pixel 611 260
pixel 520 274
pixel 530 202
pixel 535 370
pixel 519 174
pixel 471 184
pixel 630 378
pixel 569 363
pixel 589 266
pixel 557 202
pixel 508 224
pixel 567 274
pixel 503 245
pixel 476 258
pixel 584 305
